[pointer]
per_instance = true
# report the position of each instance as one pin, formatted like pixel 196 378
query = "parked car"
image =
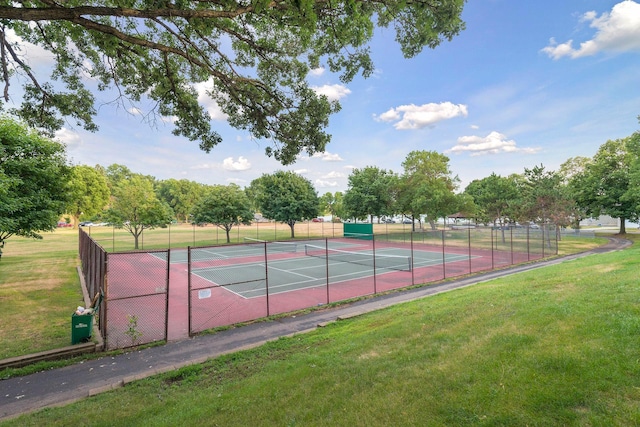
pixel 389 221
pixel 86 224
pixel 64 224
pixel 317 220
pixel 407 221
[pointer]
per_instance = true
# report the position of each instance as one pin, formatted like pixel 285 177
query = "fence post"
pixel 413 268
pixel 189 289
pixel 266 277
pixel 326 258
pixel 444 261
pixel 510 228
pixel 373 246
pixel 166 308
pixel 469 243
pixel 492 254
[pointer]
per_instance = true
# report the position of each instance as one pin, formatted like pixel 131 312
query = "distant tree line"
pixel 38 187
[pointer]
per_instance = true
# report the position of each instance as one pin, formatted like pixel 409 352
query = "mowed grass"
pixel 554 346
pixel 39 290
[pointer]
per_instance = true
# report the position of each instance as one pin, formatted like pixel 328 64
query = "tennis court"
pixel 207 287
pixel 296 272
pixel 238 283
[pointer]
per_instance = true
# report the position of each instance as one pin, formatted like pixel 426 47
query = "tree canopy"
pixel 332 203
pixel 544 199
pixel 371 192
pixel 427 186
pixel 181 195
pixel 33 181
pixel 603 187
pixel 251 57
pixel 136 207
pixel 496 197
pixel 89 192
pixel 285 197
pixel 224 206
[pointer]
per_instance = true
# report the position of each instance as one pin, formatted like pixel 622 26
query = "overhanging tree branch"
pixel 257 53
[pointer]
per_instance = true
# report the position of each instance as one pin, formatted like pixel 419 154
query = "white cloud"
pixel 333 92
pixel 241 165
pixel 419 116
pixel 328 157
pixel 301 171
pixel 317 71
pixel 323 184
pixel 205 100
pixel 235 180
pixel 201 166
pixel 494 143
pixel 34 55
pixel 68 137
pixel 475 127
pixel 334 174
pixel 618 31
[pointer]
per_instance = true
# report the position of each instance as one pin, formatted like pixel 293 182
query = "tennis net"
pixel 390 262
pixel 287 247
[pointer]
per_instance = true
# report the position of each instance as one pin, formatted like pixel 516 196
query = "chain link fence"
pixel 244 282
pixel 226 284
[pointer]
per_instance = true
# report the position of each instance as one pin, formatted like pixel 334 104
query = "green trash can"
pixel 81 327
pixel 82 324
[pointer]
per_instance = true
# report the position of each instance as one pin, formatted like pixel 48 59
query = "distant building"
pixel 601 221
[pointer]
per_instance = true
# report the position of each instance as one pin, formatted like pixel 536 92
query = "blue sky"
pixel 527 83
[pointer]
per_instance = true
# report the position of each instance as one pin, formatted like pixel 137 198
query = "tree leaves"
pixel 33 178
pixel 257 54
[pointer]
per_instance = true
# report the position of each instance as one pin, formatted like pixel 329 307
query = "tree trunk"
pixel 623 226
pixel 292 225
pixel 228 231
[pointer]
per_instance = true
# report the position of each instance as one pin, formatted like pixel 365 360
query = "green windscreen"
pixel 359 231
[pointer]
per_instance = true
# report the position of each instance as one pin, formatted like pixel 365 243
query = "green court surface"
pixel 296 270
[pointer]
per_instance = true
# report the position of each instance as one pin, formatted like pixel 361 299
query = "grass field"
pixel 554 346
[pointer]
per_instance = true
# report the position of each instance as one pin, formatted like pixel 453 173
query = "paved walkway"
pixel 65 385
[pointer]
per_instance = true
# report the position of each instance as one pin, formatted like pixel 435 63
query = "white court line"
pixel 346 277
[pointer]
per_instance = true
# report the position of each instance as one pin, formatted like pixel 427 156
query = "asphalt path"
pixel 62 386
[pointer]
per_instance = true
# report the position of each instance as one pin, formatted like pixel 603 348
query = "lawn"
pixel 554 346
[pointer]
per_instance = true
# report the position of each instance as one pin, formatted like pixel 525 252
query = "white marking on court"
pixel 292 272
